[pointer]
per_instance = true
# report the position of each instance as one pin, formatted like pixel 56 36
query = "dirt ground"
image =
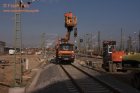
pixel 7 70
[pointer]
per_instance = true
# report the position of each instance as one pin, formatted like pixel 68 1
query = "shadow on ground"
pixel 61 86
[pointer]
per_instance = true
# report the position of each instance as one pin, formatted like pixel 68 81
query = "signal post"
pixel 18 7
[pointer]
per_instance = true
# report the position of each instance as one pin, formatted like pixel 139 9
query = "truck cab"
pixel 65 53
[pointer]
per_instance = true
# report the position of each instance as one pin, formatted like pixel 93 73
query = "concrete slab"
pixel 17 90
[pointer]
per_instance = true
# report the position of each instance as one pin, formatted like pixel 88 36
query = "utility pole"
pixel 99 41
pixel 43 47
pixel 91 42
pixel 87 44
pixel 84 45
pixel 129 44
pixel 79 45
pixel 122 41
pixel 139 41
pixel 135 42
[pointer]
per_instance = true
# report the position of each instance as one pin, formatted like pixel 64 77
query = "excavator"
pixel 65 49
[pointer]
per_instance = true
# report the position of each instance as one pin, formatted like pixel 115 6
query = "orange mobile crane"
pixel 65 49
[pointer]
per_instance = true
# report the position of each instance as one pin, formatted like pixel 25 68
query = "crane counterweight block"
pixel 70 20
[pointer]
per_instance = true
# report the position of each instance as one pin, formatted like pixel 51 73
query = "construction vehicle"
pixel 131 62
pixel 112 59
pixel 65 49
pixel 65 53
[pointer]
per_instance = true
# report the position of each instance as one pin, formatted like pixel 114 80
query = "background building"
pixel 2 46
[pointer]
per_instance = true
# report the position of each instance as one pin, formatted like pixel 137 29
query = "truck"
pixel 65 53
pixel 112 58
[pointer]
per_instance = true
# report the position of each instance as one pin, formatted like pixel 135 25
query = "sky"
pixel 106 16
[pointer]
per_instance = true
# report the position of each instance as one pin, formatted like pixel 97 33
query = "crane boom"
pixel 70 23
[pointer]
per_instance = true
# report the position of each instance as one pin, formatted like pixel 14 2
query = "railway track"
pixel 84 82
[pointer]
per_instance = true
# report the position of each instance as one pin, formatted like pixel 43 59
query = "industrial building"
pixel 2 46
